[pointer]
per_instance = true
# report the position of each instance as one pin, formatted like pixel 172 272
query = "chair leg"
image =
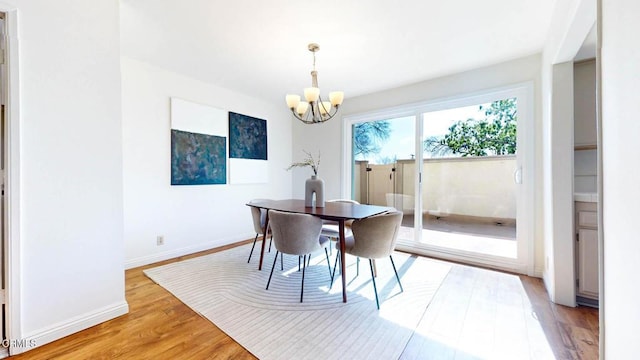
pixel 394 270
pixel 375 268
pixel 272 267
pixel 328 264
pixel 281 263
pixel 335 265
pixel 303 267
pixel 373 279
pixel 270 242
pixel 357 266
pixel 252 247
pixel 336 242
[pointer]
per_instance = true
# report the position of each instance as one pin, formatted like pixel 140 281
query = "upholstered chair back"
pixel 376 236
pixel 295 234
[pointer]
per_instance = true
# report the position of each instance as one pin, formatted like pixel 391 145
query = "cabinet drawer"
pixel 587 218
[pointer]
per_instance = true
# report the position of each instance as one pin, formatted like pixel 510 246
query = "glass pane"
pixel 468 188
pixel 384 171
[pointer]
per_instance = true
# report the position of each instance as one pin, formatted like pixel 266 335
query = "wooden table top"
pixel 330 211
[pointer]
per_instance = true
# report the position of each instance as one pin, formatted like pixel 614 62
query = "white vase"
pixel 314 186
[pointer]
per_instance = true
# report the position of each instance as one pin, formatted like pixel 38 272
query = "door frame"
pixel 525 262
pixel 11 219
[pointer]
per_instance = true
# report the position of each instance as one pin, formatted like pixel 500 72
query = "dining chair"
pixel 373 238
pixel 259 217
pixel 331 228
pixel 297 234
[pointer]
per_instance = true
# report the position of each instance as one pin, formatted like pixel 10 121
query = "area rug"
pixel 273 324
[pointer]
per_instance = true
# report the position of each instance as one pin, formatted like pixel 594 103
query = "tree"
pixel 368 136
pixel 494 135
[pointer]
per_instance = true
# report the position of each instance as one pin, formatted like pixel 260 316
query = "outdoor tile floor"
pixel 464 234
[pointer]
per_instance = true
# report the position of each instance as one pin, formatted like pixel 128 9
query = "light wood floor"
pixel 466 314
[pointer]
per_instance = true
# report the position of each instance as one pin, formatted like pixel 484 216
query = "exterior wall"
pixel 478 187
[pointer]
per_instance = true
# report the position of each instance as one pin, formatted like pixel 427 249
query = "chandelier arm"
pixel 321 103
pixel 306 120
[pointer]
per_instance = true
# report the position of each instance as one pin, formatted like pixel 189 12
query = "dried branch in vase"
pixel 309 161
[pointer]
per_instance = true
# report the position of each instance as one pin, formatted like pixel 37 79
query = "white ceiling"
pixel 259 47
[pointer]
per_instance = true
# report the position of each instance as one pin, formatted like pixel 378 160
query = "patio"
pixel 465 234
pixel 469 203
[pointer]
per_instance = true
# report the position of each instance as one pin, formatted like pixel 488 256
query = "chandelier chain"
pixel 314 61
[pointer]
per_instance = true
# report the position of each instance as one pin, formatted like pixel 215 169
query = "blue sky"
pixel 401 142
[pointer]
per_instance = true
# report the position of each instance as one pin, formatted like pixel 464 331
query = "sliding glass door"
pixel 455 169
pixel 469 190
pixel 381 148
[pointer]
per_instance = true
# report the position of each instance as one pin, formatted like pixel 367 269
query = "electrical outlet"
pixel 160 240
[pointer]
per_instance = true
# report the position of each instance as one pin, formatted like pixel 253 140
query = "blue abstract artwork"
pixel 247 137
pixel 198 159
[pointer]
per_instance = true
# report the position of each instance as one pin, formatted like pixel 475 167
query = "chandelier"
pixel 314 110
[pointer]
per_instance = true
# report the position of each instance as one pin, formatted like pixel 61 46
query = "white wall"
pixel 560 204
pixel 585 171
pixel 584 83
pixel 191 218
pixel 585 127
pixel 327 137
pixel 71 272
pixel 620 129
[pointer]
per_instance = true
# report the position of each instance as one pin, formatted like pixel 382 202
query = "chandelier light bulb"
pixel 302 107
pixel 311 94
pixel 293 101
pixel 336 98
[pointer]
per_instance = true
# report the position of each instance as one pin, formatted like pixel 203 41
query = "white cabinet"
pixel 588 263
pixel 587 252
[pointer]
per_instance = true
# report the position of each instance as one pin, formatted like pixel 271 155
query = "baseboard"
pixel 71 326
pixel 174 253
pixel 585 301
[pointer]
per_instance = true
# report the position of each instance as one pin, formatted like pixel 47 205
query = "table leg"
pixel 342 260
pixel 264 239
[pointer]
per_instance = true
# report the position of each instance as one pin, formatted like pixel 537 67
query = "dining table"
pixel 334 211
